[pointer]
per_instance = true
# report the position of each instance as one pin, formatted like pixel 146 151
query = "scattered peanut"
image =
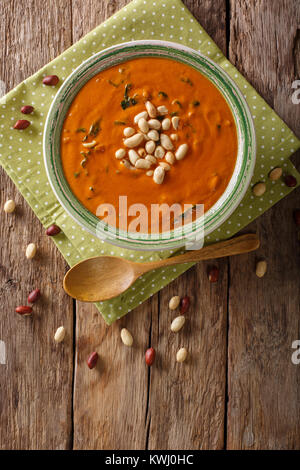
pixel 133 157
pixel 141 163
pixel 170 158
pixel 150 146
pixel 120 154
pixel 174 302
pixel 128 131
pixel 143 125
pixel 126 337
pixel 150 356
pixel 185 304
pixel 261 268
pixel 34 296
pixel 92 360
pixel 174 137
pixel 134 140
pixel 141 152
pixel 290 181
pixel 30 251
pixel 21 124
pixel 275 174
pixel 165 165
pixel 158 175
pixel 177 323
pixel 51 80
pixel 181 151
pixel 24 310
pixel 27 109
pixel 9 206
pixel 166 124
pixel 153 135
pixel 162 110
pixel 166 142
pixel 259 189
pixel 149 173
pixel 175 122
pixel 53 230
pixel 60 334
pixel 151 109
pixel 154 124
pixel 181 355
pixel 139 116
pixel 159 152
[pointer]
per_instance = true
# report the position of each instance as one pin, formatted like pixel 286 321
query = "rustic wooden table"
pixel 240 389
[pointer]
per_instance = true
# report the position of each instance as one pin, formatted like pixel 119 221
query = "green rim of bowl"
pixel 118 54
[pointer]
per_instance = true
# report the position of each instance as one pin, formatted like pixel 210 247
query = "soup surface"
pixel 93 132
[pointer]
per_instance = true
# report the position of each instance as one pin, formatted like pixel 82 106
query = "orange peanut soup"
pixel 108 103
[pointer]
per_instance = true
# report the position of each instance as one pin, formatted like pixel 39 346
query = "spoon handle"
pixel 234 246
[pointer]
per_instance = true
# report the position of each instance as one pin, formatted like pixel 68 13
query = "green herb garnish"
pixel 120 123
pixel 174 113
pixel 163 94
pixel 178 103
pixel 83 162
pixel 187 80
pixel 196 103
pixel 160 118
pixel 127 101
pixel 95 128
pixel 85 138
pixel 218 126
pixel 76 174
pixel 80 129
pixel 113 84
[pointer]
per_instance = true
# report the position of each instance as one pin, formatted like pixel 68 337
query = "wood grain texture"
pixel 36 382
pixel 122 404
pixel 263 384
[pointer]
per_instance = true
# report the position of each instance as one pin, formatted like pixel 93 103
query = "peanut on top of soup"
pixel 152 129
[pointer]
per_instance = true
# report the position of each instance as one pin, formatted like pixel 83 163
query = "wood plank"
pixel 187 401
pixel 36 382
pixel 110 402
pixel 263 384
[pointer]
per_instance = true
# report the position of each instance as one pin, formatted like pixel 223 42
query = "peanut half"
pixel 261 268
pixel 60 334
pixel 126 337
pixel 9 206
pixel 177 323
pixel 181 355
pixel 30 251
pixel 174 302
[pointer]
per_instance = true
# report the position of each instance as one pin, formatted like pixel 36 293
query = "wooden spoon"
pixel 104 277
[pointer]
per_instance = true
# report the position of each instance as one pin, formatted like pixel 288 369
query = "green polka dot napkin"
pixel 21 151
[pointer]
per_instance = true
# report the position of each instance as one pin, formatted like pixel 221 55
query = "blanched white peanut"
pixel 60 334
pixel 159 152
pixel 141 115
pixel 261 268
pixel 151 109
pixel 30 251
pixel 150 146
pixel 175 122
pixel 166 142
pixel 174 137
pixel 143 125
pixel 162 110
pixel 158 175
pixel 174 302
pixel 120 154
pixel 151 159
pixel 181 151
pixel 9 206
pixel 166 124
pixel 149 173
pixel 154 124
pixel 134 141
pixel 141 152
pixel 126 337
pixel 181 355
pixel 90 145
pixel 133 156
pixel 177 323
pixel 153 135
pixel 165 165
pixel 142 163
pixel 170 158
pixel 128 131
pixel 128 165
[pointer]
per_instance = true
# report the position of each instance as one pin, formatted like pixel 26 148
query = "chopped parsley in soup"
pixel 152 129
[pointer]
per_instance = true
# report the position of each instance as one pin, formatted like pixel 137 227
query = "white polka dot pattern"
pixel 21 154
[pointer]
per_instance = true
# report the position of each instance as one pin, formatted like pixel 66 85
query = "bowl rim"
pixel 160 244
